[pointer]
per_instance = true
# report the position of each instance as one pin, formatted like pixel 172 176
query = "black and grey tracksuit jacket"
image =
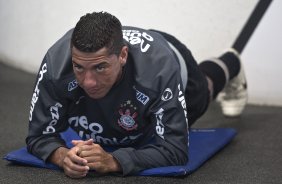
pixel 144 115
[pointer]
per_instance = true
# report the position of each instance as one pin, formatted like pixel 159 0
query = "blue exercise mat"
pixel 204 143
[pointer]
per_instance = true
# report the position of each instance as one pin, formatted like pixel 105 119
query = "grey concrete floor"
pixel 254 156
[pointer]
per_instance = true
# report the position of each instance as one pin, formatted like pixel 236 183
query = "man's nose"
pixel 89 80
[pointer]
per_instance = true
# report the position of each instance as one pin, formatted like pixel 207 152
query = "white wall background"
pixel 263 58
pixel 28 28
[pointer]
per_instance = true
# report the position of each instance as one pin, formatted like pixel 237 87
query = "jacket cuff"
pixel 45 152
pixel 123 157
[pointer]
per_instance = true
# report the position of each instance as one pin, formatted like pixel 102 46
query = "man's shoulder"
pixel 142 39
pixel 153 60
pixel 58 58
pixel 57 66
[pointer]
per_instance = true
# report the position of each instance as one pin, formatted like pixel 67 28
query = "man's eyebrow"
pixel 75 63
pixel 102 63
pixel 96 65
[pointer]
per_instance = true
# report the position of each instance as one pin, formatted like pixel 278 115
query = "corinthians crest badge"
pixel 128 115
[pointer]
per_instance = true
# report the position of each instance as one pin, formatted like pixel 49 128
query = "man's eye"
pixel 100 68
pixel 78 68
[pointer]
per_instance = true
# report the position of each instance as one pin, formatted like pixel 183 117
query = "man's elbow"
pixel 29 144
pixel 183 159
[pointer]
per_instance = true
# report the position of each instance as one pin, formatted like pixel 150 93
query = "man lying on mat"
pixel 129 88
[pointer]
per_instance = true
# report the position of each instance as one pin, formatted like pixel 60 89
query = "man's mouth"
pixel 92 90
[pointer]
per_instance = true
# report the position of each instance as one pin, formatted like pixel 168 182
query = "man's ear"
pixel 123 55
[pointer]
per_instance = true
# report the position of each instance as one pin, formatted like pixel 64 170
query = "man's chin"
pixel 96 96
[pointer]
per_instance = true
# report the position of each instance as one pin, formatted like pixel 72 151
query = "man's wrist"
pixel 116 165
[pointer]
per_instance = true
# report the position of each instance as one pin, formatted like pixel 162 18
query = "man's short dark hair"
pixel 97 30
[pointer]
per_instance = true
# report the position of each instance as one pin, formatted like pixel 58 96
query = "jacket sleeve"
pixel 168 116
pixel 46 117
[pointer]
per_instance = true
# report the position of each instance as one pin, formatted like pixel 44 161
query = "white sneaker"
pixel 234 96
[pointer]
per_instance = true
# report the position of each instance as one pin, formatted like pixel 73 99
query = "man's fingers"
pixel 81 142
pixel 74 166
pixel 74 173
pixel 79 160
pixel 75 142
pixel 78 168
pixel 92 159
pixel 74 158
pixel 89 150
